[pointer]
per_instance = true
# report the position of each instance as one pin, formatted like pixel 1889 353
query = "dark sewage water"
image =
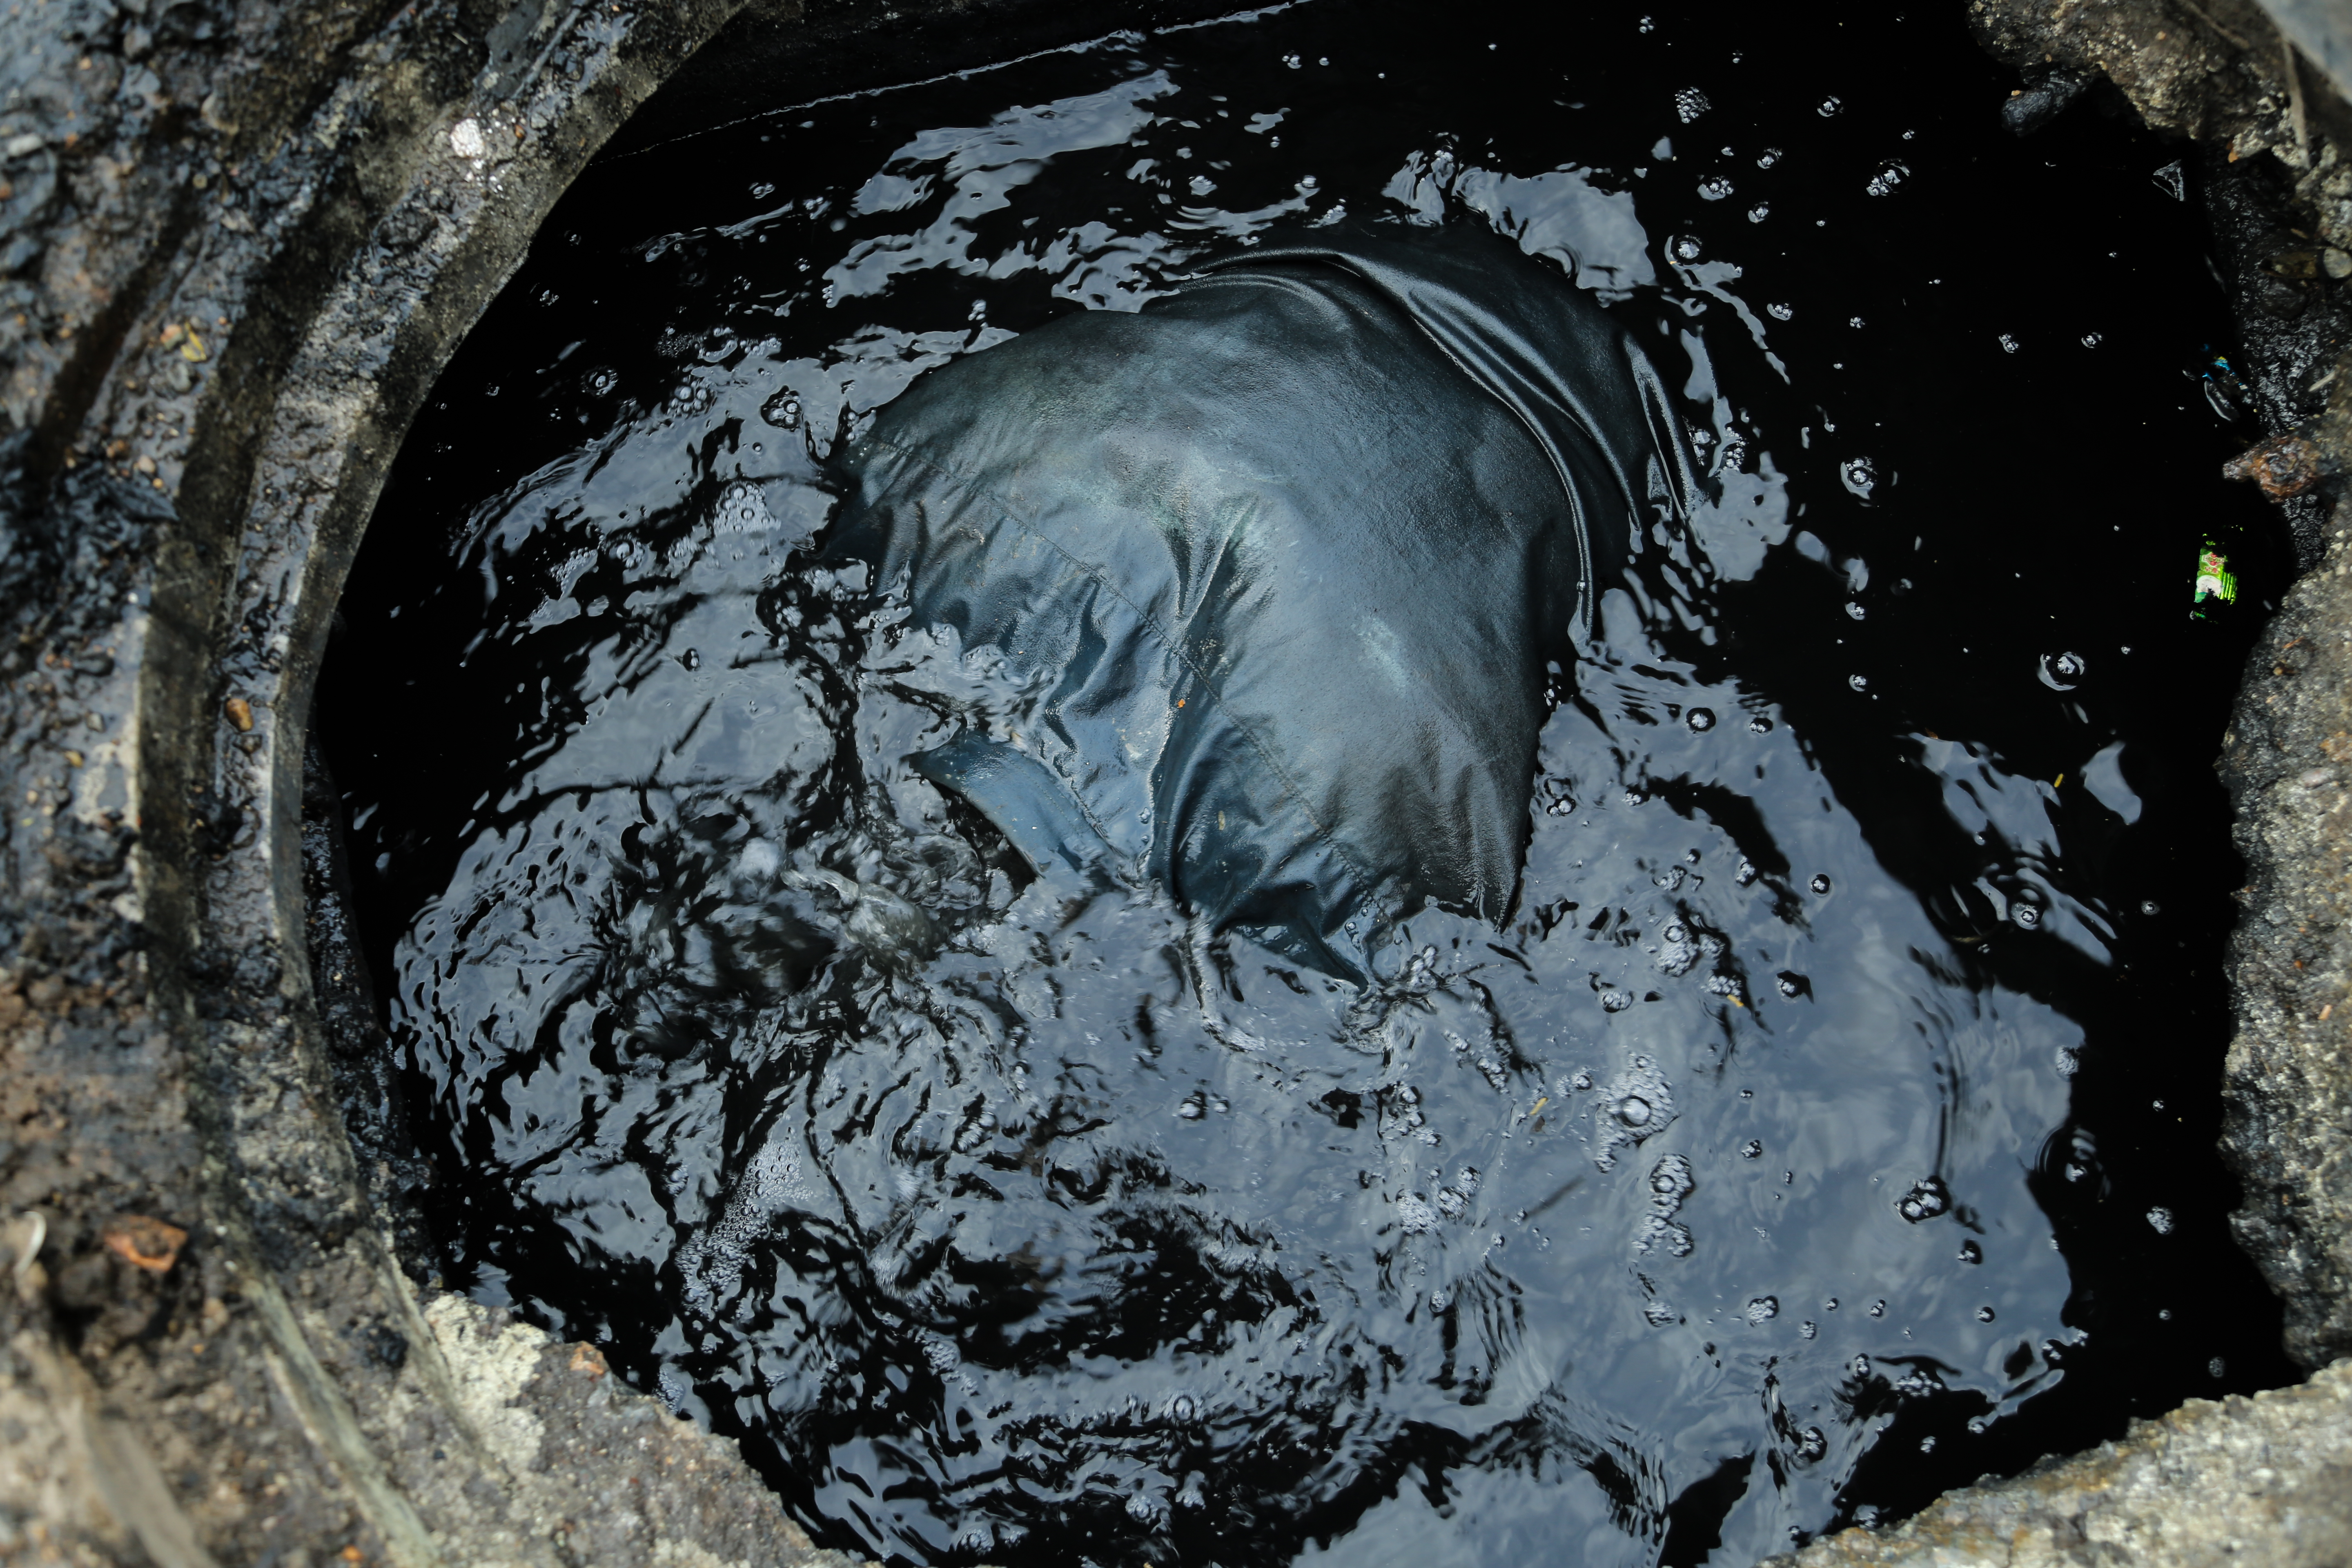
pixel 1830 1123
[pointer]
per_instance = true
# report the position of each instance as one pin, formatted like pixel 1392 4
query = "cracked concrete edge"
pixel 2262 1481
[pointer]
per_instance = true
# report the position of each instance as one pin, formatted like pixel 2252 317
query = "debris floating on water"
pixel 2214 580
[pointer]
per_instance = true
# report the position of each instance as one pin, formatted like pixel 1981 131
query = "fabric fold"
pixel 1290 550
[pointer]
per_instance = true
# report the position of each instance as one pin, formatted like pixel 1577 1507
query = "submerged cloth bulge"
pixel 1284 555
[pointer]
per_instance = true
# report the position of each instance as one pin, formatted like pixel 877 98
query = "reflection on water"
pixel 1800 1127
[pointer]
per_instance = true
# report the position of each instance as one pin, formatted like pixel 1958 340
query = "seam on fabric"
pixel 1167 644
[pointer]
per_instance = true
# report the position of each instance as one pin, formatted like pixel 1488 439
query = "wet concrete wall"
pixel 238 239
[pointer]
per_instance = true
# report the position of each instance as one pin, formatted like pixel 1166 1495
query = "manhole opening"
pixel 1830 1123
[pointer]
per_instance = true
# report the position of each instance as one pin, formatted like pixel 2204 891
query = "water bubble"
pixel 1859 682
pixel 1859 1366
pixel 1793 986
pixel 1984 1314
pixel 1807 1328
pixel 2027 916
pixel 1770 156
pixel 1615 1001
pixel 1714 188
pixel 1926 1199
pixel 1759 725
pixel 1751 1150
pixel 2160 1220
pixel 1859 475
pixel 1700 718
pixel 1689 104
pixel 1889 177
pixel 1744 875
pixel 692 658
pixel 1971 1253
pixel 2062 671
pixel 1812 1445
pixel 1649 25
pixel 1192 1110
pixel 762 189
pixel 1763 1310
pixel 1779 312
pixel 2217 1367
pixel 2008 343
pixel 1657 1314
pixel 1633 1111
pixel 1759 212
pixel 1290 60
pixel 1830 107
pixel 2148 907
pixel 601 381
pixel 1686 247
pixel 1821 883
pixel 1878 1309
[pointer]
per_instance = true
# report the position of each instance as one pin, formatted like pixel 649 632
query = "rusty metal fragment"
pixel 2284 466
pixel 146 1243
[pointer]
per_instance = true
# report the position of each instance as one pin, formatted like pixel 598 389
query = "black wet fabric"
pixel 1288 552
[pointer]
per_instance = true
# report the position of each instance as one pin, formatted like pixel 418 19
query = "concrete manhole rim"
pixel 437 195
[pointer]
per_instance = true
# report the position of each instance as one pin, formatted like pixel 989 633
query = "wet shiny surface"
pixel 1830 1123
